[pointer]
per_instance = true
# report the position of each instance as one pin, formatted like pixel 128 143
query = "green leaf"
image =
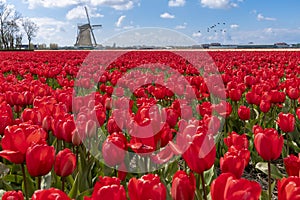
pixel 87 192
pixel 74 190
pixel 30 186
pixel 208 175
pixel 275 173
pixel 13 178
pixel 264 195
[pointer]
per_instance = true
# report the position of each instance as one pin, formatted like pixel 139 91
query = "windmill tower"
pixel 85 34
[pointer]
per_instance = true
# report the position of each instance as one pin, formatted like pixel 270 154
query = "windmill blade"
pixel 93 37
pixel 89 23
pixel 87 14
pixel 97 26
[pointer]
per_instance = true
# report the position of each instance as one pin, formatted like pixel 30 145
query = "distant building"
pixel 281 45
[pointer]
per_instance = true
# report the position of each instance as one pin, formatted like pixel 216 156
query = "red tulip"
pixel 244 113
pixel 108 188
pixel 293 92
pixel 289 188
pixel 114 149
pixel 50 194
pixel 298 113
pixel 13 195
pixel 286 122
pixel 235 94
pixel 6 116
pixel 147 187
pixel 292 165
pixel 65 163
pixel 68 127
pixel 268 143
pixel 265 106
pixel 205 108
pixel 183 186
pixel 201 153
pixel 236 140
pixel 253 98
pixel 227 187
pixel 40 159
pixel 32 114
pixel 224 108
pixel 18 138
pixel 234 163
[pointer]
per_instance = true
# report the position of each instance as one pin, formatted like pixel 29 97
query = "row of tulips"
pixel 137 123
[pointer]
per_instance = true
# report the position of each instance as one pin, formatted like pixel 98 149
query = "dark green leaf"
pixel 275 173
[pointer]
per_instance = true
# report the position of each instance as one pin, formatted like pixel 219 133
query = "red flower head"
pixel 244 113
pixel 114 149
pixel 289 188
pixel 265 106
pixel 286 122
pixel 13 195
pixel 50 194
pixel 292 165
pixel 235 94
pixel 40 159
pixel 234 163
pixel 18 138
pixel 293 93
pixel 65 163
pixel 201 153
pixel 108 188
pixel 236 140
pixel 227 187
pixel 268 143
pixel 183 186
pixel 147 187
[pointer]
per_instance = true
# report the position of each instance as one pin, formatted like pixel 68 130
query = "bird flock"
pixel 218 27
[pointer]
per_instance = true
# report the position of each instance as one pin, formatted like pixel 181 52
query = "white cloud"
pixel 167 16
pixel 176 3
pixel 260 17
pixel 120 21
pixel 53 31
pixel 50 3
pixel 183 26
pixel 198 34
pixel 79 13
pixel 116 4
pixel 220 4
pixel 234 26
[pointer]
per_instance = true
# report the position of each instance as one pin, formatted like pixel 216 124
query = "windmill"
pixel 85 34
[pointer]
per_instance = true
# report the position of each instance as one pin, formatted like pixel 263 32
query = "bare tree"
pixel 30 29
pixel 8 25
pixel 19 37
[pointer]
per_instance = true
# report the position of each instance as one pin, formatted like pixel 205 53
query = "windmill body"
pixel 85 34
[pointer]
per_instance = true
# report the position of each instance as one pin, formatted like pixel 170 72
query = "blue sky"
pixel 240 21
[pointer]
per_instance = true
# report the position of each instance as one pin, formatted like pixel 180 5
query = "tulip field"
pixel 153 124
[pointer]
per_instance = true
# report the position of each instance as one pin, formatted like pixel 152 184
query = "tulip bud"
pixel 40 159
pixel 65 163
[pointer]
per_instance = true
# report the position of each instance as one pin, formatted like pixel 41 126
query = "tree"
pixel 30 29
pixel 8 25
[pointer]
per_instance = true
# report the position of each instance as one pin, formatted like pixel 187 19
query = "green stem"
pixel 63 184
pixel 25 181
pixel 288 143
pixel 269 179
pixel 39 180
pixel 203 186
